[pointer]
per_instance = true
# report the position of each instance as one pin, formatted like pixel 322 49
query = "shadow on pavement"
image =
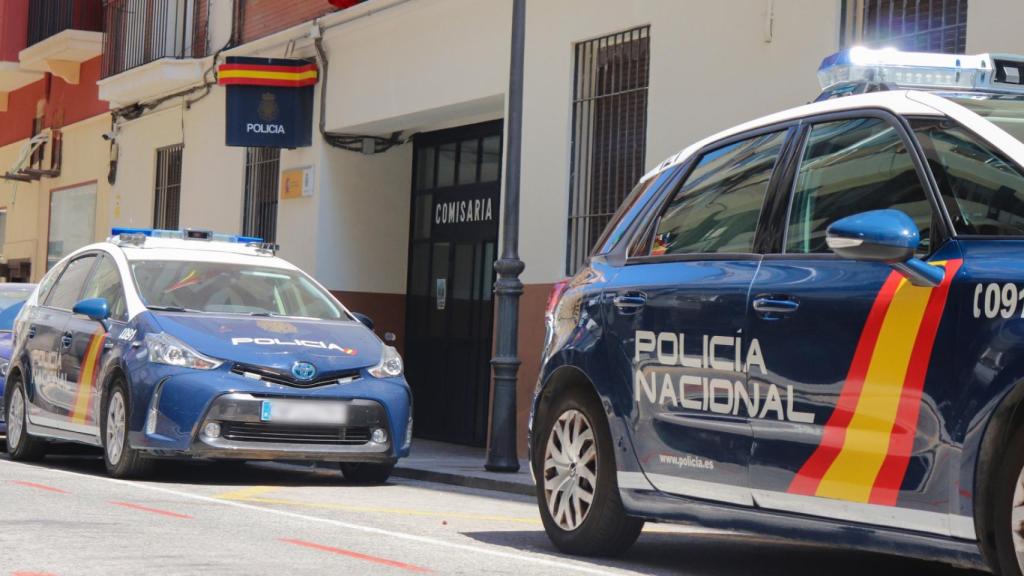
pixel 721 554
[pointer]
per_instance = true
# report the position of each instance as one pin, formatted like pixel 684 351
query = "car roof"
pixel 896 101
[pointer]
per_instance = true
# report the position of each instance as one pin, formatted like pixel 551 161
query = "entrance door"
pixel 449 306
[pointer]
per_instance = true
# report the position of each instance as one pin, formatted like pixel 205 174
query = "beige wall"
pixel 85 159
pixel 994 26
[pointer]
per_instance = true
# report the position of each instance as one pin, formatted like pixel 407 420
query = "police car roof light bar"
pixel 137 236
pixel 861 69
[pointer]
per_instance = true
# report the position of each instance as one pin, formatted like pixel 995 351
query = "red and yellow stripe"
pixel 867 441
pixel 267 75
pixel 82 412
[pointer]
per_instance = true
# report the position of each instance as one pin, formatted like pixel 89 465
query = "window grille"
pixel 167 204
pixel 609 133
pixel 259 213
pixel 917 25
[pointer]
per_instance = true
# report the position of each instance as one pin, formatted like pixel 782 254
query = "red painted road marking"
pixel 152 510
pixel 357 555
pixel 39 487
pixel 32 574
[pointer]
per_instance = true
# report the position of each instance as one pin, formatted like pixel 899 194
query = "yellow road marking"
pixel 244 493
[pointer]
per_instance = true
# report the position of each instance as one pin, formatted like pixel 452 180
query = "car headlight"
pixel 4 367
pixel 390 364
pixel 166 349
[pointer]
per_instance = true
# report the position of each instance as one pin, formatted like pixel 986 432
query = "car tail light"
pixel 556 294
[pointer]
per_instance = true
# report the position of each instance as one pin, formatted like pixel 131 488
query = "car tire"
pixel 20 444
pixel 366 472
pixel 121 460
pixel 583 469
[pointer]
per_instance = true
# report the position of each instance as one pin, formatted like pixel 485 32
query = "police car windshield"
pixel 231 288
pixel 1003 110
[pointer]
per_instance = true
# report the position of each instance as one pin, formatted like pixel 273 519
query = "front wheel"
pixel 122 461
pixel 20 445
pixel 366 472
pixel 576 486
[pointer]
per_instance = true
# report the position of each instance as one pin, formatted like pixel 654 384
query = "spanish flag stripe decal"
pixel 901 440
pixel 87 379
pixel 866 444
pixel 267 75
pixel 808 478
pixel 267 68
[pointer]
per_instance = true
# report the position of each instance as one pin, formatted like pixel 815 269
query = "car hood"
pixel 331 346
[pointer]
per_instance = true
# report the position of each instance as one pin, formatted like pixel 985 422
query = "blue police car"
pixel 12 298
pixel 809 326
pixel 191 344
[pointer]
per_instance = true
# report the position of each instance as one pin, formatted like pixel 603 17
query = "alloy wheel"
pixel 115 427
pixel 16 418
pixel 570 469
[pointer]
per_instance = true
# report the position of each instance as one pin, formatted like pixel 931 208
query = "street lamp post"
pixel 501 456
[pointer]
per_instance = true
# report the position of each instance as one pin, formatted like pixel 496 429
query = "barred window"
pixel 167 204
pixel 917 25
pixel 259 212
pixel 609 133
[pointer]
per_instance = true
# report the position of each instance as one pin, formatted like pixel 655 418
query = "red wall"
pixel 13 28
pixel 263 17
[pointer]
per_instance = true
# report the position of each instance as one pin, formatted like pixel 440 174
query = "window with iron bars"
pixel 259 213
pixel 167 203
pixel 915 25
pixel 609 133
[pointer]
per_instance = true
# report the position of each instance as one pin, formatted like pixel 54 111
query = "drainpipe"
pixel 501 455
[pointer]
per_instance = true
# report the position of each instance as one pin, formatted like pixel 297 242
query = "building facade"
pixel 399 210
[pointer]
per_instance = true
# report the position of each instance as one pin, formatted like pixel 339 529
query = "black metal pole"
pixel 501 456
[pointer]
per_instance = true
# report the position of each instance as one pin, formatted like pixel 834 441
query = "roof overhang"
pixel 62 54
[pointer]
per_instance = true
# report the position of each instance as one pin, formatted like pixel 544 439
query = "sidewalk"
pixel 462 466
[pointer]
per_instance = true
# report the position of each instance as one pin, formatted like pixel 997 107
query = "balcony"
pixel 61 35
pixel 151 47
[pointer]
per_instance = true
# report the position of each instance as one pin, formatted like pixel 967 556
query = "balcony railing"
pixel 141 31
pixel 49 17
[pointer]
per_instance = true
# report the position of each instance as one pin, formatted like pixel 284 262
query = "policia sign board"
pixel 269 101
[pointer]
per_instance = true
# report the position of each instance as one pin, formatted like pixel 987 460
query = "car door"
pixel 54 396
pixel 676 312
pixel 851 349
pixel 89 339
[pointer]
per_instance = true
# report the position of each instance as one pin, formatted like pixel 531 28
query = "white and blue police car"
pixel 190 344
pixel 809 326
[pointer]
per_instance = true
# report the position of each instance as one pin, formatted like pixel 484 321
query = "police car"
pixel 191 344
pixel 809 326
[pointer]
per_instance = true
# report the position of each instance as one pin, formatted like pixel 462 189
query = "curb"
pixel 465 481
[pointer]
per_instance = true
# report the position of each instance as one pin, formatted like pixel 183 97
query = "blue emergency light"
pixel 139 235
pixel 861 69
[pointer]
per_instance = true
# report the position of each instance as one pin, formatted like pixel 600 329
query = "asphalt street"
pixel 65 517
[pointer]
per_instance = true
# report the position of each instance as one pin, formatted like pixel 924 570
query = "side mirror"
pixel 364 320
pixel 95 309
pixel 888 236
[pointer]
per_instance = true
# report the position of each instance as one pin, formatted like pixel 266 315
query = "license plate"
pixel 303 412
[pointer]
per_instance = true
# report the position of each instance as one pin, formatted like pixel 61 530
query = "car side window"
pixel 983 190
pixel 65 292
pixel 47 283
pixel 717 208
pixel 106 283
pixel 852 166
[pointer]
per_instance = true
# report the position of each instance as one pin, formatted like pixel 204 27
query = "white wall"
pixel 711 68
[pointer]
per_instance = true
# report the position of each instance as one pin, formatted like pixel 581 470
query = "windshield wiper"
pixel 263 314
pixel 171 309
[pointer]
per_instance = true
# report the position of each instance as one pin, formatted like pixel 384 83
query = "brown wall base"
pixel 386 310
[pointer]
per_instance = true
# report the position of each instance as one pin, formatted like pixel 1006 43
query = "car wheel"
pixel 577 491
pixel 121 460
pixel 366 472
pixel 20 445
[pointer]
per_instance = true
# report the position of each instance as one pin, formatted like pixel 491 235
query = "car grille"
pixel 277 377
pixel 263 432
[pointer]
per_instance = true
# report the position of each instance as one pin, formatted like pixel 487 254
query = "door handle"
pixel 65 340
pixel 32 331
pixel 630 302
pixel 781 305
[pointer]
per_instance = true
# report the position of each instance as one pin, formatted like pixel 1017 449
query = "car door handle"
pixel 65 340
pixel 630 302
pixel 32 331
pixel 775 305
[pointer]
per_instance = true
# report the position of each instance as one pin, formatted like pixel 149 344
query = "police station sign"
pixel 466 213
pixel 269 101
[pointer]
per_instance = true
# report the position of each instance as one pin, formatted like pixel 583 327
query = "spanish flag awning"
pixel 234 73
